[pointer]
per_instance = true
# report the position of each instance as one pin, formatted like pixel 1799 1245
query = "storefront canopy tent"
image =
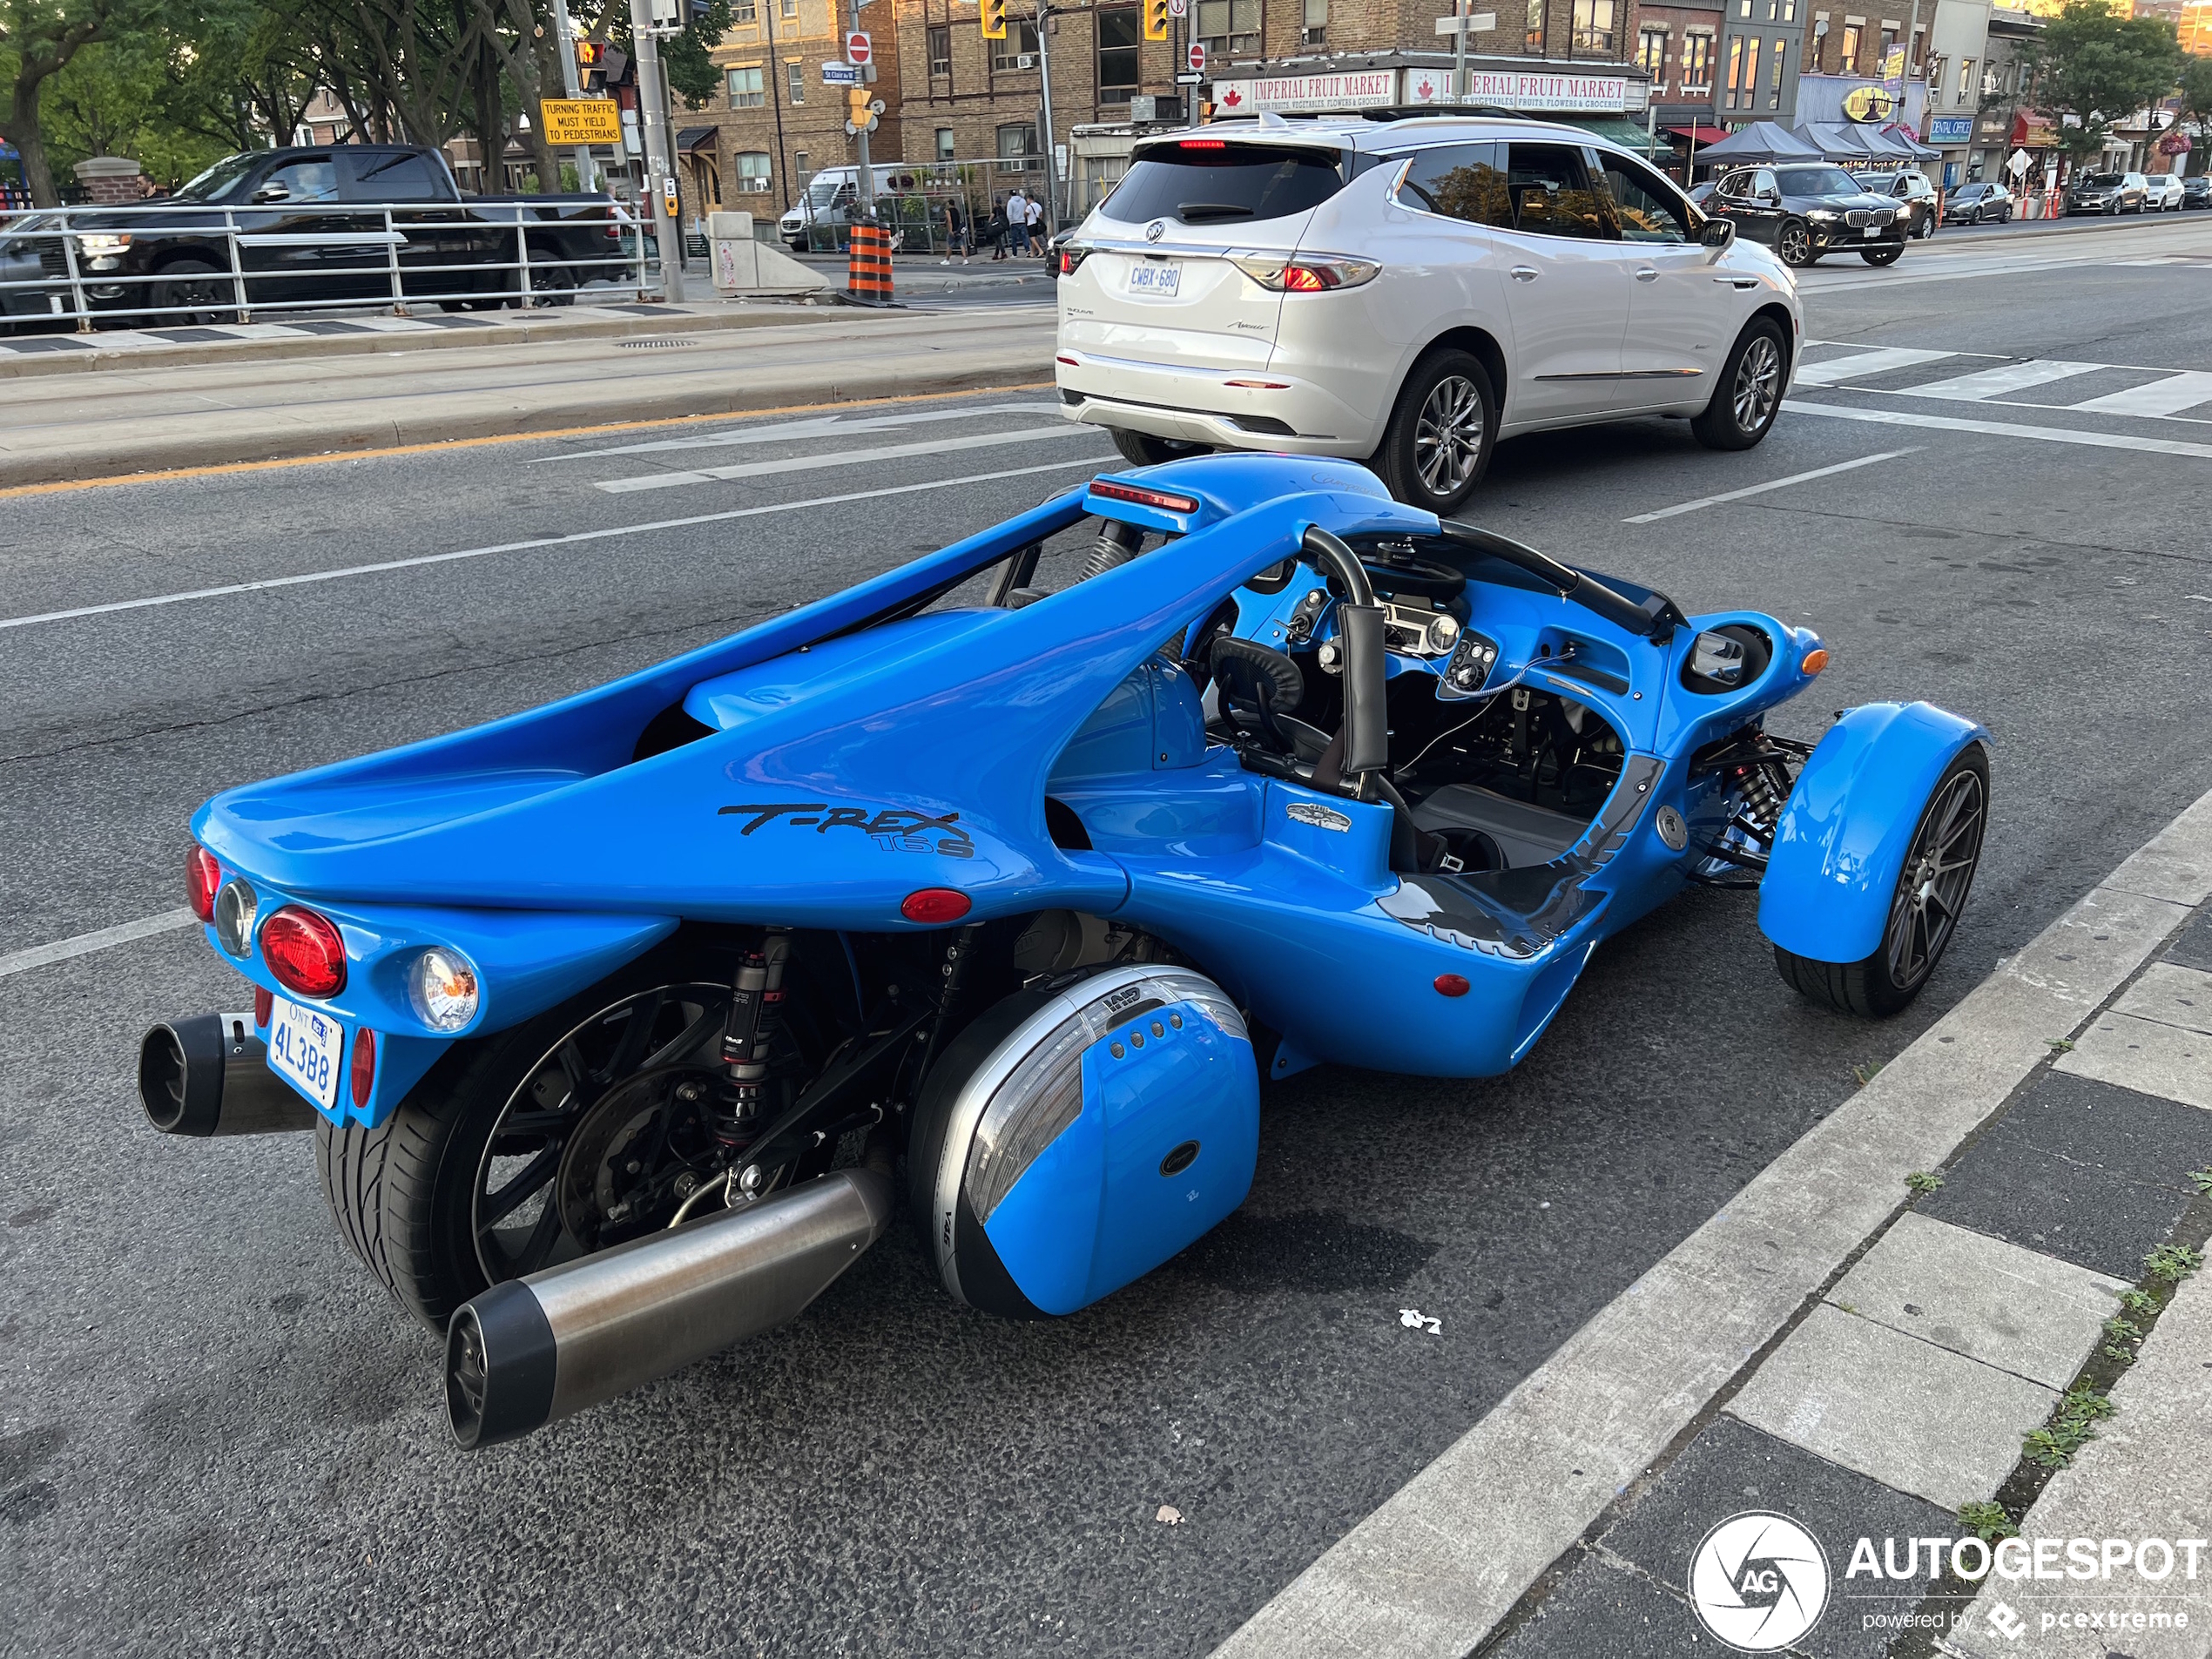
pixel 1761 141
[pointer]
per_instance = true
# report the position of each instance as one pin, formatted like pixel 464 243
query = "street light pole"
pixel 653 118
pixel 1045 14
pixel 861 134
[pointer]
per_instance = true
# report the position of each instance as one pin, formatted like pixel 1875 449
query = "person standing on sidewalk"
pixel 1017 221
pixel 1039 242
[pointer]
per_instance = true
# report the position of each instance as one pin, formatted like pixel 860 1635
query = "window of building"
pixel 1920 50
pixel 795 81
pixel 1847 61
pixel 789 11
pixel 940 48
pixel 742 12
pixel 1019 50
pixel 1781 55
pixel 1789 10
pixel 1882 56
pixel 1734 71
pixel 1936 66
pixel 1742 8
pixel 1316 24
pixel 1119 32
pixel 1966 78
pixel 801 171
pixel 752 172
pixel 1697 63
pixel 1651 56
pixel 1017 145
pixel 745 92
pixel 1532 39
pixel 945 144
pixel 1595 22
pixel 1229 28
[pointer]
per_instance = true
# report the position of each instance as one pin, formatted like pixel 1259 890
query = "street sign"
pixel 857 48
pixel 581 120
pixel 1481 24
pixel 1178 7
pixel 840 74
pixel 1189 80
pixel 2018 162
pixel 1198 58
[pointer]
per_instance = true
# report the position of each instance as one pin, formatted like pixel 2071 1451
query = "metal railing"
pixel 183 260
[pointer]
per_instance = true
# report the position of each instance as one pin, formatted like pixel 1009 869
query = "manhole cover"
pixel 654 342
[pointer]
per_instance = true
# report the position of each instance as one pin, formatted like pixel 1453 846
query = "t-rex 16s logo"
pixel 895 829
pixel 1758 1582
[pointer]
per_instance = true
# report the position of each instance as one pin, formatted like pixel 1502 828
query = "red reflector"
pixel 1260 386
pixel 304 951
pixel 1114 491
pixel 364 1068
pixel 935 904
pixel 1302 279
pixel 1202 143
pixel 1451 985
pixel 263 1005
pixel 203 877
pixel 1070 361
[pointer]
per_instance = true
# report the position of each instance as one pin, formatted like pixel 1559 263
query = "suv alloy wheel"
pixel 1441 435
pixel 1794 243
pixel 1750 392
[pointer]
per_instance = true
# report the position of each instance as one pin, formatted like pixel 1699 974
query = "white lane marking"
pixel 1771 483
pixel 1999 429
pixel 572 537
pixel 1878 361
pixel 837 458
pixel 2168 396
pixel 1995 382
pixel 784 431
pixel 60 950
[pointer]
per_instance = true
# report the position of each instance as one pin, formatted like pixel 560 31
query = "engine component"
pixel 210 1075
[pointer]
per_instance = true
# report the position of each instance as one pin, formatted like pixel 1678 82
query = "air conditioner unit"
pixel 1025 62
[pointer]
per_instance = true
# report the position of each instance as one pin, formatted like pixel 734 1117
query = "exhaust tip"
pixel 499 1367
pixel 180 1066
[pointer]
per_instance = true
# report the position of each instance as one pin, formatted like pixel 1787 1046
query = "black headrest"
pixel 1242 667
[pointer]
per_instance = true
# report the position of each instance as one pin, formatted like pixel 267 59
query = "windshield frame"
pixel 235 167
pixel 1825 172
pixel 2102 180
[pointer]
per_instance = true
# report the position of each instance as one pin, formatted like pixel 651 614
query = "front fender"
pixel 1844 832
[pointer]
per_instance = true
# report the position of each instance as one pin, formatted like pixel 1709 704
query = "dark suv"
pixel 1913 190
pixel 1802 210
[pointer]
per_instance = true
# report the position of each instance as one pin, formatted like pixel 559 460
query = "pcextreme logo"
pixel 1758 1582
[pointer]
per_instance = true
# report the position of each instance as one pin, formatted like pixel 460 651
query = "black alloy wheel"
pixel 1441 432
pixel 1142 449
pixel 1749 395
pixel 1794 243
pixel 195 289
pixel 1888 253
pixel 552 285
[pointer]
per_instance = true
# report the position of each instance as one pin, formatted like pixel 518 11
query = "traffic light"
pixel 592 64
pixel 1156 19
pixel 856 105
pixel 993 19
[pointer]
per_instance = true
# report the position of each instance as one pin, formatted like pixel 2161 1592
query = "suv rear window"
pixel 1213 181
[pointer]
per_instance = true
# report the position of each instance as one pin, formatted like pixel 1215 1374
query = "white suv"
pixel 1409 292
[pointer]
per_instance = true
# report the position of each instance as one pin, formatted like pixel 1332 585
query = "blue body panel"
pixel 1849 824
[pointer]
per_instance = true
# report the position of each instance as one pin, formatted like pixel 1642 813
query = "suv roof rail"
pixel 1431 111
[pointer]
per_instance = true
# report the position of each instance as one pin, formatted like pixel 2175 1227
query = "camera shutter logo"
pixel 1758 1582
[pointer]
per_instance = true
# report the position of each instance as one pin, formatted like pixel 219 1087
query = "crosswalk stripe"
pixel 2168 396
pixel 1878 361
pixel 1996 382
pixel 2007 430
pixel 841 457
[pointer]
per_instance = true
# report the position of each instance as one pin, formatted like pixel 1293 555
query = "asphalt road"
pixel 217 1436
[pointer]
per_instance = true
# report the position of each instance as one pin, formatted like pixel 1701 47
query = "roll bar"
pixel 1655 619
pixel 1359 625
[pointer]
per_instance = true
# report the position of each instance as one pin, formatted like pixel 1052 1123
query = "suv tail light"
pixel 1070 257
pixel 304 951
pixel 203 879
pixel 1308 272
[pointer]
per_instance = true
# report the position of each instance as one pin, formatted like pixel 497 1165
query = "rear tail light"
pixel 1308 272
pixel 1114 489
pixel 1202 143
pixel 203 879
pixel 304 951
pixel 1070 258
pixel 364 1067
pixel 935 905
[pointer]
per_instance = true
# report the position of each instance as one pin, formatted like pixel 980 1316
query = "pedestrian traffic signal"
pixel 1156 19
pixel 591 63
pixel 993 16
pixel 856 105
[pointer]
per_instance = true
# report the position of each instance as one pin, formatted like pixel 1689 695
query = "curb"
pixel 1453 1553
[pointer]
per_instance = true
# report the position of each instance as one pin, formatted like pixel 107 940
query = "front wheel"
pixel 552 285
pixel 1887 255
pixel 1930 893
pixel 1441 431
pixel 1794 243
pixel 1142 449
pixel 1750 392
pixel 195 291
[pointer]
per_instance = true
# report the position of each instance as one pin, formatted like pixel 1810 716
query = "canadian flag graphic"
pixel 1231 98
pixel 1425 91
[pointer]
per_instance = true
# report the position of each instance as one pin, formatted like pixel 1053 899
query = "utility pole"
pixel 586 175
pixel 1460 52
pixel 652 118
pixel 860 130
pixel 1044 64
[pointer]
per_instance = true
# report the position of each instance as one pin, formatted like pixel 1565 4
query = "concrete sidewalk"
pixel 1963 1306
pixel 527 377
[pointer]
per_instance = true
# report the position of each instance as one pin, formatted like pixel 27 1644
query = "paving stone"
pixel 1599 1608
pixel 1912 1415
pixel 2192 947
pixel 2176 863
pixel 2020 1309
pixel 2172 995
pixel 2013 1191
pixel 2145 1056
pixel 2122 1131
pixel 1730 1467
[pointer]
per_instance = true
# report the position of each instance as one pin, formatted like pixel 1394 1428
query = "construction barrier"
pixel 869 271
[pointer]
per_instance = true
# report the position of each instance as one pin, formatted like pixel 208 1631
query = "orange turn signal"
pixel 1815 661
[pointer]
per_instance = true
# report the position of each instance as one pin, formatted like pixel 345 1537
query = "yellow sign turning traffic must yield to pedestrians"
pixel 581 120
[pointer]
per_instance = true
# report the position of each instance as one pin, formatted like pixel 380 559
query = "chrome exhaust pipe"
pixel 210 1075
pixel 532 1350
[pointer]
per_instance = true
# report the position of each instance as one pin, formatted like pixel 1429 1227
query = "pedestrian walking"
pixel 995 230
pixel 1036 230
pixel 955 233
pixel 1017 221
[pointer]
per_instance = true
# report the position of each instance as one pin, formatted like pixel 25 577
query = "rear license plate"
pixel 306 1046
pixel 1162 279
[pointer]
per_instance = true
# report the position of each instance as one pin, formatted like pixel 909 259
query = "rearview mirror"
pixel 1718 235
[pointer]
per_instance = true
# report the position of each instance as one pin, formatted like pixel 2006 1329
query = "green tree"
pixel 2098 65
pixel 2193 88
pixel 39 39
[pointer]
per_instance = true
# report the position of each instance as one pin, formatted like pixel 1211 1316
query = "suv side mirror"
pixel 1718 236
pixel 273 193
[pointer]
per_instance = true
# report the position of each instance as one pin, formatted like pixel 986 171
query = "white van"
pixel 827 201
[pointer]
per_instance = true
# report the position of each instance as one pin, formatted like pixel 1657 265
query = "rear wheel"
pixel 1142 449
pixel 552 285
pixel 1750 392
pixel 1930 893
pixel 1437 444
pixel 1887 254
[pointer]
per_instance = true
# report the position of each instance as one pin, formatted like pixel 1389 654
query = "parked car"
pixel 1411 290
pixel 1911 187
pixel 2162 192
pixel 306 233
pixel 2107 193
pixel 1804 210
pixel 2196 190
pixel 623 1024
pixel 1979 204
pixel 826 204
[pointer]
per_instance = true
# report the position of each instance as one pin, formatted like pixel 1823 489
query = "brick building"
pixel 1677 47
pixel 772 125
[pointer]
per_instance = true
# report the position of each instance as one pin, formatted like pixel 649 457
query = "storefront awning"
pixel 693 139
pixel 1699 136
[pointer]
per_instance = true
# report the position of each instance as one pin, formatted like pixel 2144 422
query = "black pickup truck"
pixel 311 229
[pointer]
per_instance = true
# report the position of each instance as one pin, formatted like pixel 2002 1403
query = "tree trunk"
pixel 30 142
